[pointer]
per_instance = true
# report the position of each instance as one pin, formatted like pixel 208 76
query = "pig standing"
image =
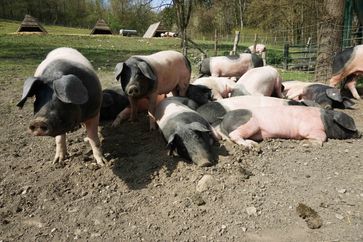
pixel 245 126
pixel 67 92
pixel 348 64
pixel 229 66
pixel 264 81
pixel 185 130
pixel 151 75
pixel 213 111
pixel 316 94
pixel 220 87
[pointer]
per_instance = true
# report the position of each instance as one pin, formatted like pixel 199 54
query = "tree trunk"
pixel 183 11
pixel 329 39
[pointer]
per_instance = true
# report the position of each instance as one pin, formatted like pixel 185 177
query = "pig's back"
pixel 66 54
pixel 230 65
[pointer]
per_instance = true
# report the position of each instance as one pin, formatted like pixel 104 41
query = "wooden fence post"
pixel 286 56
pixel 235 43
pixel 216 42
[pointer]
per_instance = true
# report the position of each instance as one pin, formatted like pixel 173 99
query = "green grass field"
pixel 20 54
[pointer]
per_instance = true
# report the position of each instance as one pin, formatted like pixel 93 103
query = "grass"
pixel 21 54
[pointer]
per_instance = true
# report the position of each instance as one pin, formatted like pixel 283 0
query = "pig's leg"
pixel 92 133
pixel 335 80
pixel 351 85
pixel 183 89
pixel 61 148
pixel 124 114
pixel 133 104
pixel 245 131
pixel 152 107
pixel 315 137
pixel 278 89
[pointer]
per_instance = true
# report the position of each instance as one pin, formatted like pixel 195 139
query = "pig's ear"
pixel 344 120
pixel 348 103
pixel 146 70
pixel 334 94
pixel 198 127
pixel 118 70
pixel 27 90
pixel 170 145
pixel 70 89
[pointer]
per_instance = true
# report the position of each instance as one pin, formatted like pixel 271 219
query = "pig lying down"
pixel 265 81
pixel 152 75
pixel 220 87
pixel 229 66
pixel 348 64
pixel 316 94
pixel 214 111
pixel 185 130
pixel 246 126
pixel 67 92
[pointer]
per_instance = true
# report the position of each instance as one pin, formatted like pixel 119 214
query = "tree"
pixel 329 38
pixel 183 13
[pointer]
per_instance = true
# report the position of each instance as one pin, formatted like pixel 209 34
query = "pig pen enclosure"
pixel 143 194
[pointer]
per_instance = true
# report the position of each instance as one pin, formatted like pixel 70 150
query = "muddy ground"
pixel 145 195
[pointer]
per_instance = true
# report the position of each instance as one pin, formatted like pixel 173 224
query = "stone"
pixel 205 183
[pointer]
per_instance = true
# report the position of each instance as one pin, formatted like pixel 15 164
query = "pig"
pixel 264 81
pixel 348 64
pixel 259 49
pixel 316 94
pixel 67 92
pixel 113 102
pixel 152 75
pixel 246 126
pixel 199 93
pixel 220 87
pixel 229 66
pixel 185 130
pixel 213 111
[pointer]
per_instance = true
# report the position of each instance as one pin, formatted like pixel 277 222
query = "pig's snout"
pixel 39 128
pixel 133 91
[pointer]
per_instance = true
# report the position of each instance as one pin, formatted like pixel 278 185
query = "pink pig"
pixel 348 64
pixel 246 126
pixel 264 81
pixel 221 87
pixel 151 75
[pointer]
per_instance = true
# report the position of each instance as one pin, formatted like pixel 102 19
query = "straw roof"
pixel 101 27
pixel 31 24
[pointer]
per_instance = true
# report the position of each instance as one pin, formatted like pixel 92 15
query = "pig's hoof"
pixel 59 158
pixel 204 163
pixel 101 160
pixel 247 143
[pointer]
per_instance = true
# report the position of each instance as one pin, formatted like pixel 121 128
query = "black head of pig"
pixel 339 125
pixel 327 97
pixel 136 76
pixel 192 141
pixel 113 102
pixel 199 94
pixel 204 67
pixel 57 104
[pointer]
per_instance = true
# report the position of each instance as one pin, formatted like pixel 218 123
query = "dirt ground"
pixel 145 195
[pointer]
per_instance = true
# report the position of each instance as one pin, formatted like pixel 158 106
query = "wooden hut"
pixel 31 25
pixel 101 27
pixel 154 30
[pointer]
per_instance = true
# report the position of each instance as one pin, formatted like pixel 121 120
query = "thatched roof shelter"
pixel 101 27
pixel 154 30
pixel 31 25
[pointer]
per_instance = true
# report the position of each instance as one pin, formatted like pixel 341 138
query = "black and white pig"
pixel 348 64
pixel 67 92
pixel 229 66
pixel 151 75
pixel 113 102
pixel 246 126
pixel 185 130
pixel 316 94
